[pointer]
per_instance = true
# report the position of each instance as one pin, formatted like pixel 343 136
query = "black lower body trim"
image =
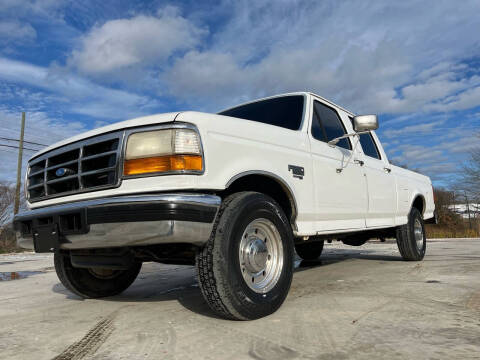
pixel 150 212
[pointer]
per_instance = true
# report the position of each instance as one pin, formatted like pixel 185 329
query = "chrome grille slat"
pixel 98 171
pixel 83 173
pixel 35 186
pixel 44 178
pixel 80 182
pixel 66 178
pixel 37 173
pixel 61 165
pixel 99 155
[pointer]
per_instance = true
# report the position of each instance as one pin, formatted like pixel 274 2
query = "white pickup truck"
pixel 234 193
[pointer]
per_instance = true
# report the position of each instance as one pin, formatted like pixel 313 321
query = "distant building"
pixel 464 210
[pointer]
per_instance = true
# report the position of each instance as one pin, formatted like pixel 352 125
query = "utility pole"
pixel 19 167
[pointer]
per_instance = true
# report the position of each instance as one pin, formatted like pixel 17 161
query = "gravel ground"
pixel 354 303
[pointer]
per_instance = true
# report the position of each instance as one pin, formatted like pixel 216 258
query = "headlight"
pixel 170 150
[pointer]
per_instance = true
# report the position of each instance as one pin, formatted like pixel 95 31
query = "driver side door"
pixel 340 187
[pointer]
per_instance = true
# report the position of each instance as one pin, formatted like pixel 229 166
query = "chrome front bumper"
pixel 119 221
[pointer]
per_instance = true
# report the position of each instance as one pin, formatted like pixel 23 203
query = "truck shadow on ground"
pixel 339 255
pixel 181 285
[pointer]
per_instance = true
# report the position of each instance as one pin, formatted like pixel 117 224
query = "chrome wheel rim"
pixel 418 232
pixel 261 255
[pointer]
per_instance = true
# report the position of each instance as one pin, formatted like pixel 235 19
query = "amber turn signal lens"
pixel 160 164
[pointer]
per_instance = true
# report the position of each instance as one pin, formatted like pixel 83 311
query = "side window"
pixel 326 125
pixel 368 145
pixel 283 111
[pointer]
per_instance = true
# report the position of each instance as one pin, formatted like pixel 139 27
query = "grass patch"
pixel 439 231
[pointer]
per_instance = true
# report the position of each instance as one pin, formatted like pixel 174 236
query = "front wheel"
pixel 94 282
pixel 246 268
pixel 411 239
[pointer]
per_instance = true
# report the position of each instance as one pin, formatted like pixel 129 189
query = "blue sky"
pixel 77 65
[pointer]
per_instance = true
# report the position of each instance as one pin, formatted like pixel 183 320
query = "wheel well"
pixel 269 186
pixel 419 204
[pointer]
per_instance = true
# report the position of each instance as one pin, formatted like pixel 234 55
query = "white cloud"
pixel 436 89
pixel 206 74
pixel 415 154
pixel 138 41
pixel 440 170
pixel 467 99
pixel 438 157
pixel 14 31
pixel 30 8
pixel 416 129
pixel 82 96
pixel 369 56
pixel 431 161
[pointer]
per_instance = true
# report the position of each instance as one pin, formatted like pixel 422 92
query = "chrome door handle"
pixel 359 162
pixel 387 170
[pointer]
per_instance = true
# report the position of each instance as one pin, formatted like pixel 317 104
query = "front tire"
pixel 411 239
pixel 246 268
pixel 93 282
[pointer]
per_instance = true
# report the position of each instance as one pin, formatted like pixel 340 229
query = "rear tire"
pixel 411 239
pixel 95 282
pixel 246 267
pixel 310 250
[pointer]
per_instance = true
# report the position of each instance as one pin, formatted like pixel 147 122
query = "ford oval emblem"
pixel 60 172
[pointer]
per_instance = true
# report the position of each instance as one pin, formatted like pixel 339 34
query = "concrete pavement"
pixel 355 303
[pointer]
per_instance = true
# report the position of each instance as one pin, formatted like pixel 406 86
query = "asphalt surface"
pixel 355 303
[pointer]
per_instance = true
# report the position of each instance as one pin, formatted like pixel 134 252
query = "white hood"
pixel 141 121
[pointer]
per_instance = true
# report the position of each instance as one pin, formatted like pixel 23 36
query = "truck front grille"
pixel 87 165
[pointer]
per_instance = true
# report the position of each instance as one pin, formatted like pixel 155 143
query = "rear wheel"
pixel 245 269
pixel 310 250
pixel 411 239
pixel 94 282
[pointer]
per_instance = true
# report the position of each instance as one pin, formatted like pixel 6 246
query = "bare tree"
pixel 444 199
pixel 470 179
pixel 7 197
pixel 7 234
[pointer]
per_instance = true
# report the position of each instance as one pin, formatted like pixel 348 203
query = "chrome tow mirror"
pixel 365 123
pixel 361 124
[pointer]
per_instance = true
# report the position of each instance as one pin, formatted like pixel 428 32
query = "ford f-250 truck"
pixel 234 193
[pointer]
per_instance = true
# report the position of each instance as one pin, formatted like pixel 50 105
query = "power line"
pixel 25 141
pixel 17 147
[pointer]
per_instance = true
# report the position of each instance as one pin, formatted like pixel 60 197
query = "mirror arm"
pixel 334 142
